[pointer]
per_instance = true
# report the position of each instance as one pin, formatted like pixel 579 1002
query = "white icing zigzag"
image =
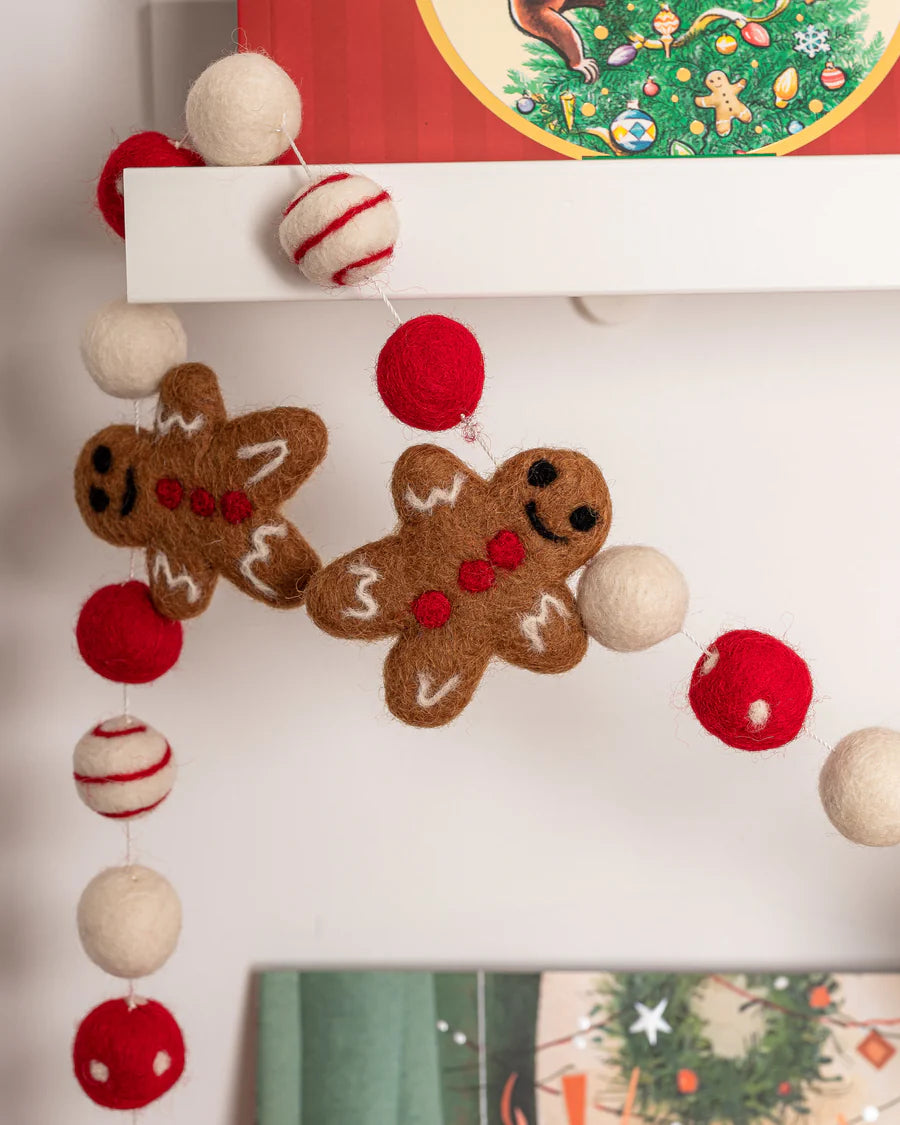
pixel 278 447
pixel 261 552
pixel 162 568
pixel 428 698
pixel 367 576
pixel 166 422
pixel 532 625
pixel 436 495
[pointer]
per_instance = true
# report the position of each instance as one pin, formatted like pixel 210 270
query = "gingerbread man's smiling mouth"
pixel 129 496
pixel 539 526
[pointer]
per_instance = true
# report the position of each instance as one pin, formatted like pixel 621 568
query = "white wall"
pixel 578 821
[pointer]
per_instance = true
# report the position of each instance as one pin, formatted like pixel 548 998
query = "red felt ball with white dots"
pixel 122 636
pixel 126 1055
pixel 752 690
pixel 431 372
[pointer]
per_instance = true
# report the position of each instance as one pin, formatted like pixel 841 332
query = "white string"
pixel 821 741
pixel 482 1054
pixel 379 288
pixel 473 432
pixel 699 644
pixel 290 140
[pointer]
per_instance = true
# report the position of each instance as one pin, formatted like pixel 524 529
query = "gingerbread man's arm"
pixel 273 451
pixel 705 101
pixel 738 86
pixel 268 559
pixel 190 408
pixel 431 675
pixel 364 595
pixel 180 586
pixel 429 480
pixel 548 637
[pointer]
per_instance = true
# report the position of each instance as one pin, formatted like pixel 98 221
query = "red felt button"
pixel 506 550
pixel 476 575
pixel 169 492
pixel 202 502
pixel 431 609
pixel 236 506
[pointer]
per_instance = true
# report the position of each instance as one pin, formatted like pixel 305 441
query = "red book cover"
pixel 468 80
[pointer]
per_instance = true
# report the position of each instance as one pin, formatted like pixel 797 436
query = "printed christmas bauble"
pixel 726 44
pixel 756 35
pixel 123 768
pixel 794 127
pixel 651 88
pixel 126 1055
pixel 832 77
pixel 525 104
pixel 633 130
pixel 622 56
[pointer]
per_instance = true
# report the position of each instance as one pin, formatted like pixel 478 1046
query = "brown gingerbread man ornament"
pixel 476 569
pixel 201 493
pixel 723 98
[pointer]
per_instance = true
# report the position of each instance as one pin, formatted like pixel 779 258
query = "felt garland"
pixel 477 569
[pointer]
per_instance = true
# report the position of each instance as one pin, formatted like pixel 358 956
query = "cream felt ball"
pixel 860 787
pixel 244 109
pixel 123 768
pixel 128 348
pixel 129 919
pixel 340 230
pixel 631 598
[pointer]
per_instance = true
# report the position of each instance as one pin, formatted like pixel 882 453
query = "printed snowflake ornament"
pixel 812 40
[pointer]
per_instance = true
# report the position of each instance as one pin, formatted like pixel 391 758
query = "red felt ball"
pixel 126 1058
pixel 121 635
pixel 143 150
pixel 431 372
pixel 752 691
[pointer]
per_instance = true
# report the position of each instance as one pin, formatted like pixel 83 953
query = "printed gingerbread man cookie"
pixel 476 569
pixel 202 493
pixel 723 98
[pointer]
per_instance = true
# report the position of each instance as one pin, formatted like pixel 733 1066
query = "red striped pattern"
pixel 133 812
pixel 336 178
pixel 340 278
pixel 138 775
pixel 99 732
pixel 336 224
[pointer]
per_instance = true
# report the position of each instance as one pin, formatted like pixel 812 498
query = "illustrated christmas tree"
pixel 681 78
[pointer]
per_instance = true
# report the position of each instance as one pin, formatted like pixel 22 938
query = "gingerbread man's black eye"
pixel 98 499
pixel 583 518
pixel 541 474
pixel 102 459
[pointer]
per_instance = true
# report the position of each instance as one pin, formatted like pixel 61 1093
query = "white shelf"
pixel 543 228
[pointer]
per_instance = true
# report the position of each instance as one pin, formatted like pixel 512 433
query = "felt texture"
pixel 243 109
pixel 125 1057
pixel 631 598
pixel 860 787
pixel 129 919
pixel 122 636
pixel 752 691
pixel 202 494
pixel 431 372
pixel 449 517
pixel 127 349
pixel 339 230
pixel 123 768
pixel 143 150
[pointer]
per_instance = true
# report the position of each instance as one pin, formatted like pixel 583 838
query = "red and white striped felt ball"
pixel 123 768
pixel 340 230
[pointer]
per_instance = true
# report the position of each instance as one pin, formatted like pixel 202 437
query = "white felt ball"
pixel 341 230
pixel 860 786
pixel 129 919
pixel 631 598
pixel 244 109
pixel 123 768
pixel 128 348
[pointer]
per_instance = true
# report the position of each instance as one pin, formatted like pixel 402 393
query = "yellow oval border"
pixel 506 113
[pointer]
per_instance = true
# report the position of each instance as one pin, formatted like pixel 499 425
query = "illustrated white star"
pixel 650 1021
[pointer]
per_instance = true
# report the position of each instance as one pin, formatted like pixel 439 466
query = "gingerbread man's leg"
pixel 180 585
pixel 548 637
pixel 271 561
pixel 364 595
pixel 431 675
